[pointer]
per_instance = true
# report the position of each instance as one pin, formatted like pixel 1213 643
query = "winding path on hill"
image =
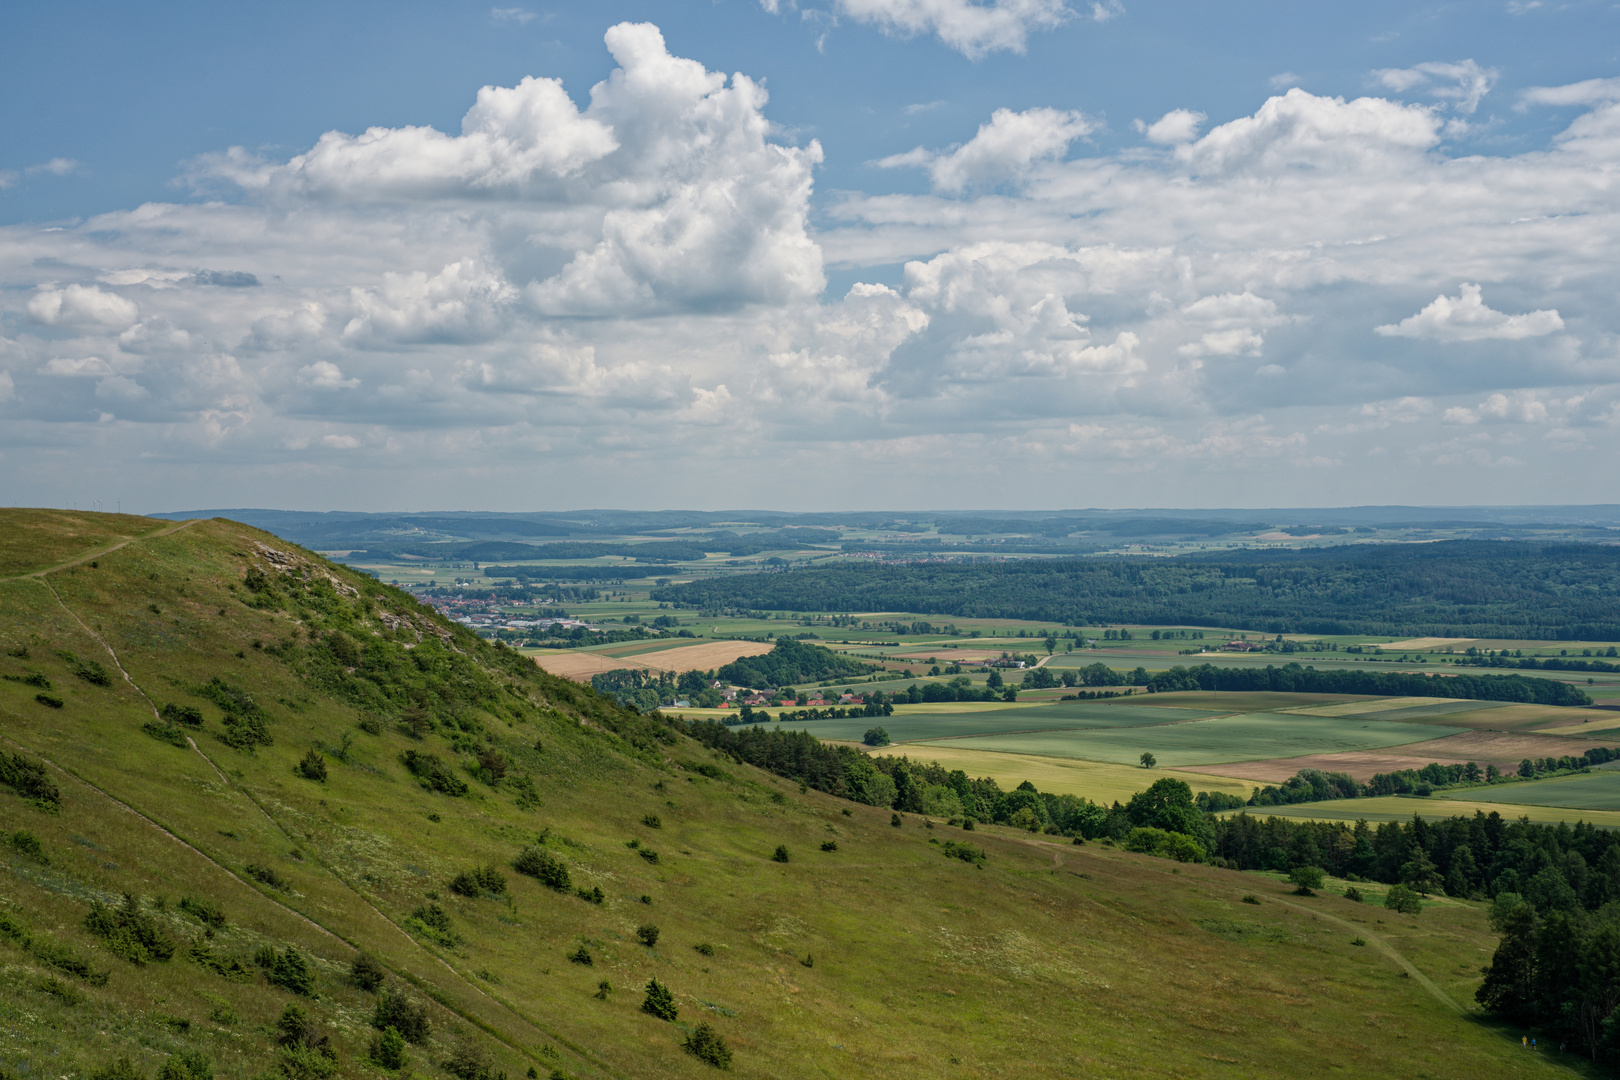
pixel 99 552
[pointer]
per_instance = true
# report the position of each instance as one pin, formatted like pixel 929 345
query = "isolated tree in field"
pixel 1148 760
pixel 875 737
pixel 1305 879
pixel 1402 899
pixel 659 1001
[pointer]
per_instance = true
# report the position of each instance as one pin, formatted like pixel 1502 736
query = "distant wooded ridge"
pixel 1492 589
pixel 336 530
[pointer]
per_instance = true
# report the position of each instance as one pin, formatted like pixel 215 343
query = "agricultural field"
pixel 1206 742
pixel 1598 790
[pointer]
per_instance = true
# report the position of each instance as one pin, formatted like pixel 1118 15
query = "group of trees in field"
pixel 1292 678
pixel 791 661
pixel 1314 785
pixel 1540 591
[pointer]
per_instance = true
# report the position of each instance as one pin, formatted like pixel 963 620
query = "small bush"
pixel 26 843
pixel 581 956
pixel 1353 894
pixel 829 845
pixel 66 993
pixel 122 1069
pixel 705 949
pixel 371 726
pixel 367 973
pixel 388 1049
pixel 265 875
pixel 49 701
pixel 207 913
pixel 88 670
pixel 395 1010
pixel 187 1065
pixel 312 767
pixel 1250 898
pixel 966 852
pixel 189 715
pixel 288 970
pixel 894 819
pixel 1358 941
pixel 433 922
pixel 593 895
pixel 603 989
pixel 780 854
pixel 33 678
pixel 649 854
pixel 543 866
pixel 479 882
pixel 167 732
pixel 708 1045
pixel 432 774
pixel 29 779
pixel 652 821
pixel 469 1061
pixel 647 934
pixel 130 932
pixel 659 1001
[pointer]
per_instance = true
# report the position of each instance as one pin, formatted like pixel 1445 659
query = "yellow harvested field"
pixel 580 666
pixel 1098 781
pixel 709 654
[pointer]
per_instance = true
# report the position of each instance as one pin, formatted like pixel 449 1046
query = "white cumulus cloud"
pixel 81 305
pixel 1173 128
pixel 1465 317
pixel 1005 149
pixel 973 29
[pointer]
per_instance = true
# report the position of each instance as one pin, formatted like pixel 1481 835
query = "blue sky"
pixel 924 252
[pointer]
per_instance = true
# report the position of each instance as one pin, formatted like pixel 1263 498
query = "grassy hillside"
pixel 177 875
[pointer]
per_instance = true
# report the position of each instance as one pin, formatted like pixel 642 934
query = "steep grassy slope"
pixel 882 957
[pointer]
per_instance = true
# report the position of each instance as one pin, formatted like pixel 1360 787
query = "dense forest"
pixel 1460 588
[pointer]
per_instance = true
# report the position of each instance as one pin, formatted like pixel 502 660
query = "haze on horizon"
pixel 806 255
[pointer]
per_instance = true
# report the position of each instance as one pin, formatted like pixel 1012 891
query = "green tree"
pixel 1167 804
pixel 659 1001
pixel 1420 874
pixel 1305 879
pixel 1402 899
pixel 388 1049
pixel 875 737
pixel 1510 980
pixel 1148 760
pixel 994 681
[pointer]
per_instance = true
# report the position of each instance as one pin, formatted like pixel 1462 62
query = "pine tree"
pixel 660 1002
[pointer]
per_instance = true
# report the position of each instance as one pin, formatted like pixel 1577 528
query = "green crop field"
pixel 1595 791
pixel 912 727
pixel 1249 737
